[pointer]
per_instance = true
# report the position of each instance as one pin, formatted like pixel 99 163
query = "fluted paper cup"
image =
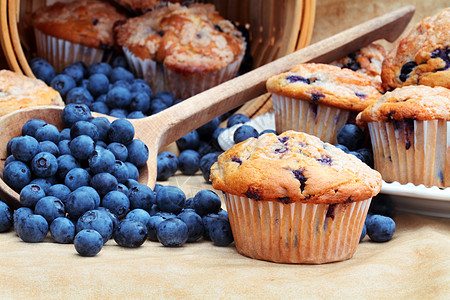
pixel 316 119
pixel 296 232
pixel 60 53
pixel 182 85
pixel 412 151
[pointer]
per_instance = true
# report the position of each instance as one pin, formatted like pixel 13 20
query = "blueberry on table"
pixel 117 202
pixel 244 132
pixel 141 196
pixel 76 178
pixel 205 131
pixel 63 83
pixel 170 199
pixel 50 208
pixel 79 95
pixel 351 136
pixel 44 164
pixel 130 233
pixel 99 68
pixel 172 232
pixel 382 205
pixel 31 194
pixel 194 224
pixel 20 213
pixel 101 161
pixel 88 242
pixel 140 215
pixel 24 148
pixel 206 162
pixel 30 127
pixel 380 228
pixel 153 224
pixel 237 119
pixel 75 112
pixel 78 202
pixel 62 230
pixel 6 217
pixel 121 131
pixel 16 175
pixel 220 232
pixel 206 202
pixel 189 141
pixel 167 165
pixel 32 228
pixel 137 153
pixel 189 162
pixel 97 220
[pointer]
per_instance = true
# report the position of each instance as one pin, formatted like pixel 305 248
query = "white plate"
pixel 418 199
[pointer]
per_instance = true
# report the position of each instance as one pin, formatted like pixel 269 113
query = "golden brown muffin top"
pixel 18 91
pixel 86 22
pixel 141 6
pixel 186 39
pixel 422 56
pixel 409 102
pixel 326 84
pixel 293 167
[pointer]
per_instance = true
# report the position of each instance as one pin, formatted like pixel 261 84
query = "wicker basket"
pixel 267 25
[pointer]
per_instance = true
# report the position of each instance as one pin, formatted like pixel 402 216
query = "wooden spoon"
pixel 169 125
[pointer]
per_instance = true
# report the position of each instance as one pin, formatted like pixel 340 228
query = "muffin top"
pixel 86 22
pixel 18 91
pixel 141 6
pixel 185 39
pixel 367 60
pixel 293 167
pixel 326 84
pixel 422 56
pixel 409 102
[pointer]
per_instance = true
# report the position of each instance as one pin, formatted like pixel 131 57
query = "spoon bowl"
pixel 167 126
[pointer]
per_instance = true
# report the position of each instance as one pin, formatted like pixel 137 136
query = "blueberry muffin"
pixel 138 7
pixel 292 198
pixel 18 91
pixel 319 99
pixel 182 49
pixel 410 129
pixel 367 60
pixel 75 31
pixel 422 56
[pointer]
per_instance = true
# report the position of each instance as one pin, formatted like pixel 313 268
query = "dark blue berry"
pixel 76 177
pixel 122 188
pixel 66 163
pixel 25 148
pixel 141 196
pixel 139 86
pixel 167 165
pixel 153 224
pixel 382 206
pixel 166 97
pixel 140 215
pixel 206 202
pixel 62 230
pixel 84 128
pixel 351 136
pixel 172 232
pixel 194 224
pixel 101 161
pixel 268 131
pixel 44 164
pixel 76 71
pixel 220 232
pixel 120 61
pixel 16 175
pixel 20 213
pixel 120 73
pixel 206 162
pixel 363 233
pixel 121 131
pixel 133 172
pixel 50 147
pixel 130 233
pixel 32 228
pixel 136 115
pixel 170 199
pixel 75 112
pixel 189 162
pixel 118 113
pixel 30 127
pixel 99 107
pixel 99 68
pixel 79 95
pixel 88 242
pixel 237 119
pixel 102 125
pixel 118 97
pixel 380 228
pixel 104 183
pixel 78 202
pixel 117 203
pixel 59 191
pixel 189 141
pixel 406 70
pixel 50 208
pixel 157 105
pixel 82 147
pixel 47 132
pixel 97 220
pixel 367 156
pixel 205 132
pixel 140 101
pixel 6 217
pixel 137 153
pixel 120 171
pixel 63 84
pixel 43 71
pixel 244 132
pixel 44 183
pixel 342 147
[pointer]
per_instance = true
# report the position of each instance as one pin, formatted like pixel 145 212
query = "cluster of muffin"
pixel 184 49
pixel 295 197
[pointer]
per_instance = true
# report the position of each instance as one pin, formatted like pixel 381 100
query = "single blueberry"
pixel 381 205
pixel 141 196
pixel 268 131
pixel 118 97
pixel 50 208
pixel 136 115
pixel 194 224
pixel 220 232
pixel 84 128
pixel 130 183
pixel 120 171
pixel 406 70
pixel 119 150
pixel 120 73
pixel 157 105
pixel 99 68
pixel 47 132
pixel 102 125
pixel 206 162
pixel 50 147
pixel 92 192
pixel 76 177
pixel 101 161
pixel 122 83
pixel 79 95
pixel 9 159
pixel 66 162
pixel 44 164
pixel 205 131
pixel 206 202
pixel 60 191
pixel 170 199
pixel 16 175
pixel 351 136
pixel 64 148
pixel 30 127
pixel 137 153
pixel 120 61
pixel 133 172
pixel 140 215
pixel 117 203
pixel 205 148
pixel 367 156
pixel 153 224
pixel 189 141
pixel 88 242
pixel 140 101
pixel 32 228
pixel 139 86
pixel 380 228
pixel 63 83
pixel 20 213
pixel 98 84
pixel 118 113
pixel 167 165
pixel 82 147
pixel 97 220
pixel 104 183
pixel 25 148
pixel 78 202
pixel 130 233
pixel 342 147
pixel 76 71
pixel 43 71
pixel 6 217
pixel 99 107
pixel 237 119
pixel 64 134
pixel 172 232
pixel 75 112
pixel 62 230
pixel 189 162
pixel 244 132
pixel 121 131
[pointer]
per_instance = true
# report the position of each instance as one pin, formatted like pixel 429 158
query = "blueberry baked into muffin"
pixel 182 49
pixel 421 57
pixel 409 129
pixel 319 99
pixel 68 32
pixel 292 198
pixel 18 91
pixel 367 60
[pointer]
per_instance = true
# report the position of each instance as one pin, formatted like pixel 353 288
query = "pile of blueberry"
pixel 109 89
pixel 81 184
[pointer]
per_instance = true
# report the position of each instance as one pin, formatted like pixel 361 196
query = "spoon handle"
pixel 195 111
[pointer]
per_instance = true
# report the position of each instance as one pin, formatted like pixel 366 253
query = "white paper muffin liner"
pixel 412 151
pixel 60 53
pixel 180 84
pixel 296 232
pixel 316 119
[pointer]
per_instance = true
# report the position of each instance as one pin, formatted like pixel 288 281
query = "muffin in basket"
pixel 410 133
pixel 367 60
pixel 292 198
pixel 138 7
pixel 185 50
pixel 319 99
pixel 18 91
pixel 75 31
pixel 422 56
